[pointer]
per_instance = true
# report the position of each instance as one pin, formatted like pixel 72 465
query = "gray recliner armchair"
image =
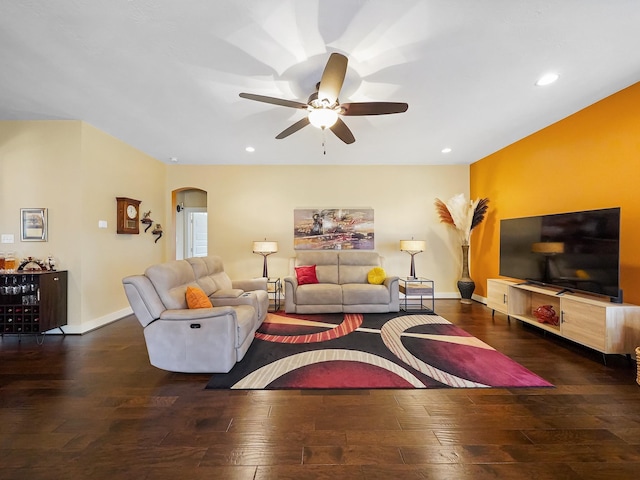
pixel 203 340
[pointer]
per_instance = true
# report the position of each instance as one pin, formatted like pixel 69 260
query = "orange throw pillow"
pixel 196 298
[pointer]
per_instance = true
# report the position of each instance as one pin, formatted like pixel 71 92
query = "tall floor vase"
pixel 466 285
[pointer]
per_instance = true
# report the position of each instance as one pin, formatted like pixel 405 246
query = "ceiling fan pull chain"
pixel 324 140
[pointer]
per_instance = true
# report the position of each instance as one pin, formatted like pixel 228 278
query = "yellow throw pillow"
pixel 376 276
pixel 196 298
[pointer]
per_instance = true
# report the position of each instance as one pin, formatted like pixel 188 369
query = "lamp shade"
pixel 265 247
pixel 413 246
pixel 547 247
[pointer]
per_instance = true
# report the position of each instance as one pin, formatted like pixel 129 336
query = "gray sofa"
pixel 343 284
pixel 204 340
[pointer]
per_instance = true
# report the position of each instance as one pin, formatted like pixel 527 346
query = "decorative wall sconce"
pixel 157 231
pixel 146 219
pixel 413 247
pixel 265 249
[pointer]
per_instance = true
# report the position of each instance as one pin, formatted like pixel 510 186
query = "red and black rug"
pixel 348 351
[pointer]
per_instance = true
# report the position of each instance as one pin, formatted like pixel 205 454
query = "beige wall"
pixel 113 169
pixel 247 203
pixel 76 171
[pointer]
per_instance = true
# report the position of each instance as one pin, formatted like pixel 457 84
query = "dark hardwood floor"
pixel 91 406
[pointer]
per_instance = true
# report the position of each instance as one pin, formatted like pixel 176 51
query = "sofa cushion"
pixel 213 264
pixel 306 274
pixel 196 298
pixel 376 276
pixel 326 264
pixel 207 284
pixel 222 280
pixel 319 294
pixel 199 266
pixel 170 280
pixel 211 273
pixel 355 266
pixel 364 293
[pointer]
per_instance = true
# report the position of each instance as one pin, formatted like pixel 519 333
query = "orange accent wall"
pixel 588 160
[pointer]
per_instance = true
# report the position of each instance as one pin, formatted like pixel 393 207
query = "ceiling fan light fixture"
pixel 323 117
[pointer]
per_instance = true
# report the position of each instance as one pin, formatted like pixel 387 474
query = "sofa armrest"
pixel 226 293
pixel 251 284
pixel 290 285
pixel 393 284
pixel 143 298
pixel 389 282
pixel 196 313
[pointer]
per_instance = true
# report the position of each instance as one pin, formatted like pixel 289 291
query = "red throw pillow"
pixel 306 274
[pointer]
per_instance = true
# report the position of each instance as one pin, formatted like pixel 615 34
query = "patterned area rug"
pixel 348 351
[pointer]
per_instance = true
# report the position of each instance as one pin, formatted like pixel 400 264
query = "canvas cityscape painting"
pixel 333 229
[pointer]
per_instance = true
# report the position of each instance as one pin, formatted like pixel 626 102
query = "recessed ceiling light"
pixel 250 149
pixel 547 79
pixel 446 150
pixel 174 159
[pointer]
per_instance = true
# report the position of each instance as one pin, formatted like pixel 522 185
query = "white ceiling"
pixel 164 75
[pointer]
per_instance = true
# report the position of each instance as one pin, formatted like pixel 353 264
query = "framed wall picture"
pixel 333 229
pixel 33 224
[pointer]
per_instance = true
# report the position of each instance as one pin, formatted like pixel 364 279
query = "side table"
pixel 274 289
pixel 417 291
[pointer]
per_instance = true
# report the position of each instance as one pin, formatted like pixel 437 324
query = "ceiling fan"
pixel 323 107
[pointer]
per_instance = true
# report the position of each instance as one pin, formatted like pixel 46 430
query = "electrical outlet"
pixel 102 224
pixel 7 238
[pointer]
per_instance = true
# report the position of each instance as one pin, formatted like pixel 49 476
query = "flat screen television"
pixel 576 251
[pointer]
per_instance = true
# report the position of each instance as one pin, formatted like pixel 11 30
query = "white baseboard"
pixel 90 325
pixel 454 295
pixel 86 327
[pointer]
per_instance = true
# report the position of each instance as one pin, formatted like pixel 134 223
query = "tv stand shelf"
pixel 609 328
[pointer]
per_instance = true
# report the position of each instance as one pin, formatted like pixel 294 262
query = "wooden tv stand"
pixel 609 328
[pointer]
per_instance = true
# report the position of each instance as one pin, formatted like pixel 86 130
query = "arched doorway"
pixel 190 222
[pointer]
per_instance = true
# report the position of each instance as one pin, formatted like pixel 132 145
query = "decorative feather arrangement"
pixel 482 205
pixel 461 214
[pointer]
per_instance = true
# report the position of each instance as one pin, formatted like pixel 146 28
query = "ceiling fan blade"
pixel 274 101
pixel 293 128
pixel 342 131
pixel 373 108
pixel 332 78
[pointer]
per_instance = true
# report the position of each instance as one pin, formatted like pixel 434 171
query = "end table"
pixel 274 289
pixel 416 291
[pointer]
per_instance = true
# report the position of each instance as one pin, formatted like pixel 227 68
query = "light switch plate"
pixel 102 224
pixel 7 238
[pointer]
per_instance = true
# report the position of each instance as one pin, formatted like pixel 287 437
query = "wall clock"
pixel 128 213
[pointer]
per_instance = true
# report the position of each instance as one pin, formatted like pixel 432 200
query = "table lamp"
pixel 412 247
pixel 265 249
